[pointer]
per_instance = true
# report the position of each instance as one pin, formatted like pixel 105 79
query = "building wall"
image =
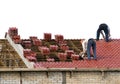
pixel 59 77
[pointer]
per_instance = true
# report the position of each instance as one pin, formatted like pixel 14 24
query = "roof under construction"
pixel 55 53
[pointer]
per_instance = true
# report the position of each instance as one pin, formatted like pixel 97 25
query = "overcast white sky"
pixel 71 18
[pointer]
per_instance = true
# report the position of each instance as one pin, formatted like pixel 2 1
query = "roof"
pixel 108 56
pixel 57 53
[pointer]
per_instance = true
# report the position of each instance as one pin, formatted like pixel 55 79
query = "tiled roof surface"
pixel 108 56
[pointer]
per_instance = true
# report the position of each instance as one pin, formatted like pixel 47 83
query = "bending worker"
pixel 103 27
pixel 87 45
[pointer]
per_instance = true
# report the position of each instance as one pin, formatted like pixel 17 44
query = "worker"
pixel 87 45
pixel 103 28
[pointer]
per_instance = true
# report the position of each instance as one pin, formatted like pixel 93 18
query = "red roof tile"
pixel 108 56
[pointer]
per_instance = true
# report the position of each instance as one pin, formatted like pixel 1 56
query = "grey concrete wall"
pixel 36 77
